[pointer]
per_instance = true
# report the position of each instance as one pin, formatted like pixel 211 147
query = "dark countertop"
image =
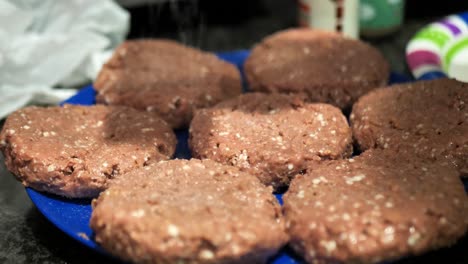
pixel 27 237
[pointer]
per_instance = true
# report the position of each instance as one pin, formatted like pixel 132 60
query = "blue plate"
pixel 72 215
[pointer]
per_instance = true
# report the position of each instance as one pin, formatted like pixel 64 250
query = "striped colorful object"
pixel 440 49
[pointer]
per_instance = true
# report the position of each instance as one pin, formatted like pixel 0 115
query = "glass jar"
pixel 380 17
pixel 332 15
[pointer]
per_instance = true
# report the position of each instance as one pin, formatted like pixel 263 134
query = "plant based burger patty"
pixel 272 136
pixel 428 117
pixel 74 151
pixel 381 205
pixel 189 211
pixel 326 66
pixel 166 77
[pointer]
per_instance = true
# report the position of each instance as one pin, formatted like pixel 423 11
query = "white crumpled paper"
pixel 54 43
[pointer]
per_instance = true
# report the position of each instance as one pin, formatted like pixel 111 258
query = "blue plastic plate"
pixel 72 215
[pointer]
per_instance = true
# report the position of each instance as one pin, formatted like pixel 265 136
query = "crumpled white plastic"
pixel 45 44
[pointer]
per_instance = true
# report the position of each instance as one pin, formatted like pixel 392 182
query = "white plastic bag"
pixel 50 43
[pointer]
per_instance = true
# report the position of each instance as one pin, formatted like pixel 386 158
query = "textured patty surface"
pixel 166 77
pixel 74 151
pixel 272 136
pixel 379 206
pixel 326 66
pixel 189 211
pixel 429 117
